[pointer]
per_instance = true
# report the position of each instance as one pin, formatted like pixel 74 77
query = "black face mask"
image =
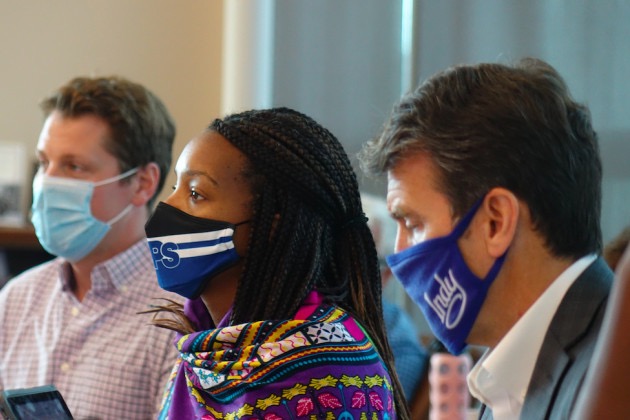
pixel 188 250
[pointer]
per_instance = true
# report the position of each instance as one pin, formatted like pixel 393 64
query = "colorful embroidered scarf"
pixel 319 365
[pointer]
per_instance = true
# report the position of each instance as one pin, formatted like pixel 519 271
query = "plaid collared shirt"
pixel 105 359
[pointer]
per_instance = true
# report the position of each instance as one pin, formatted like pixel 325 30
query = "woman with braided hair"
pixel 265 236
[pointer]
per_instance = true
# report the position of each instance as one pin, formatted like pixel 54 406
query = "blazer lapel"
pixel 550 366
pixel 572 320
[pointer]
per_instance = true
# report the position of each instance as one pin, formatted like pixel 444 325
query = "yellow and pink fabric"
pixel 321 364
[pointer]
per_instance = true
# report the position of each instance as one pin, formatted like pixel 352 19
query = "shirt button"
pixel 74 311
pixel 65 367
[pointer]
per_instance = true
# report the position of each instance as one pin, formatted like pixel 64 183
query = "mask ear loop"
pixel 117 177
pixel 122 214
pixel 463 224
pixel 127 209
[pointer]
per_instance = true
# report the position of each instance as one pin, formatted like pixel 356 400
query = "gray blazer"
pixel 567 347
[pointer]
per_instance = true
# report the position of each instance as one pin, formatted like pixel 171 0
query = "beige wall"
pixel 171 46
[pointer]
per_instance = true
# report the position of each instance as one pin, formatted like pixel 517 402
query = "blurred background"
pixel 344 62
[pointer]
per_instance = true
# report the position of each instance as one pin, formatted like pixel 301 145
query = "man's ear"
pixel 148 178
pixel 502 209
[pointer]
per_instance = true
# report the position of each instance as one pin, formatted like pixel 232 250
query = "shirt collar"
pixel 117 272
pixel 500 379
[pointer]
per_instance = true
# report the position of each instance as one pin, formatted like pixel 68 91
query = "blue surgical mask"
pixel 187 251
pixel 438 280
pixel 62 218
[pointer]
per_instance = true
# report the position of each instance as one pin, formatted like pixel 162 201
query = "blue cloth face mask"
pixel 436 277
pixel 187 251
pixel 62 218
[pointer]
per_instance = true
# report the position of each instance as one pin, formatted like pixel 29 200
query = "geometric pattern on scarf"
pixel 238 363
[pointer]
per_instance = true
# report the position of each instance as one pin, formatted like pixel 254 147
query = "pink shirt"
pixel 106 360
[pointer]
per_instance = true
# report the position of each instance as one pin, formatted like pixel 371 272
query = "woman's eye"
pixel 195 195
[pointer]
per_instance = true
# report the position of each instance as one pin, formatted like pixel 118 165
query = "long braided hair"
pixel 308 227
